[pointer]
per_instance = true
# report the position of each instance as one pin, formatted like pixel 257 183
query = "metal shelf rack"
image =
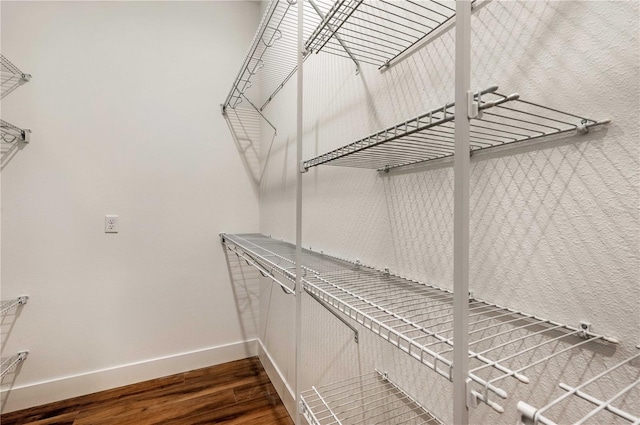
pixel 368 399
pixel 10 363
pixel 10 133
pixel 418 318
pixel 6 306
pixel 378 32
pixel 501 120
pixel 10 70
pixel 604 410
pixel 272 56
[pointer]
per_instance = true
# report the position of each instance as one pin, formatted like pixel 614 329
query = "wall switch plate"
pixel 111 224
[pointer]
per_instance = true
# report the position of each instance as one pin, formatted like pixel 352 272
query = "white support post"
pixel 298 325
pixel 461 167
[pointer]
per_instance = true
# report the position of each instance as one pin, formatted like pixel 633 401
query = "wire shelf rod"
pixel 262 270
pixel 10 363
pixel 529 414
pixel 537 362
pixel 9 133
pixel 9 305
pixel 8 67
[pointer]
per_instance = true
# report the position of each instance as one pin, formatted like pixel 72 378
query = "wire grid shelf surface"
pixel 503 120
pixel 10 363
pixel 271 257
pixel 8 305
pixel 418 318
pixel 369 399
pixel 9 70
pixel 9 133
pixel 273 54
pixel 377 32
pixel 626 384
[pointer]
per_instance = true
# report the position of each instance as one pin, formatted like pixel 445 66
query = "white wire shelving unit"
pixel 380 32
pixel 8 305
pixel 11 75
pixel 10 133
pixel 417 318
pixel 363 400
pixel 502 120
pixel 10 363
pixel 272 57
pixel 627 381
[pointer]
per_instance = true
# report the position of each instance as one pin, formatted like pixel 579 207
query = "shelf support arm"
pixel 335 34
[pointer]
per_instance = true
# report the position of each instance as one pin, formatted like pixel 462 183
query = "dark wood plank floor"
pixel 232 394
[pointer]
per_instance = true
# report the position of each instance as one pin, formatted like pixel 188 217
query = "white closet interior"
pixel 331 177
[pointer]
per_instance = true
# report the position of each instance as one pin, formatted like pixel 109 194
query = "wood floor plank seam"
pixel 233 393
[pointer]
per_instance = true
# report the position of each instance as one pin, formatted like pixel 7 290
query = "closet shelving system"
pixel 416 317
pixel 11 76
pixel 9 133
pixel 9 363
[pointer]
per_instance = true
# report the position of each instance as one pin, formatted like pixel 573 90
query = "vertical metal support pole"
pixel 461 167
pixel 299 291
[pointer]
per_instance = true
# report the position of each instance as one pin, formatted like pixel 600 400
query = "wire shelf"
pixel 369 399
pixel 377 32
pixel 272 57
pixel 418 318
pixel 273 257
pixel 604 411
pixel 503 120
pixel 10 363
pixel 10 70
pixel 6 306
pixel 10 133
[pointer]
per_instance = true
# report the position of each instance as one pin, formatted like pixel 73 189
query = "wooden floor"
pixel 232 393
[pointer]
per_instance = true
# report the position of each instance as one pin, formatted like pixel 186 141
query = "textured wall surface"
pixel 554 227
pixel 124 107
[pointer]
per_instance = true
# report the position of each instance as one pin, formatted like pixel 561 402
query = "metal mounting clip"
pixel 303 169
pixel 473 106
pixel 582 127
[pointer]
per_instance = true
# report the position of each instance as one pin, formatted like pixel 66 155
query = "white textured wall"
pixel 554 228
pixel 124 107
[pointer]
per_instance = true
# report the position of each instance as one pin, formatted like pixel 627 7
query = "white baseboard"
pixel 35 394
pixel 286 393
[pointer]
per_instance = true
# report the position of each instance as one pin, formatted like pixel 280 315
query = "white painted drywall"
pixel 124 107
pixel 555 228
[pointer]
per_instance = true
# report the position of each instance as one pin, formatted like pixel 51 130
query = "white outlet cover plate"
pixel 111 224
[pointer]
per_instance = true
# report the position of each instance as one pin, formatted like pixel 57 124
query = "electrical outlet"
pixel 111 224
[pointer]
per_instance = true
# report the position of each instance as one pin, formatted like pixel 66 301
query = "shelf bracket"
pixel 473 105
pixel 330 310
pixel 335 34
